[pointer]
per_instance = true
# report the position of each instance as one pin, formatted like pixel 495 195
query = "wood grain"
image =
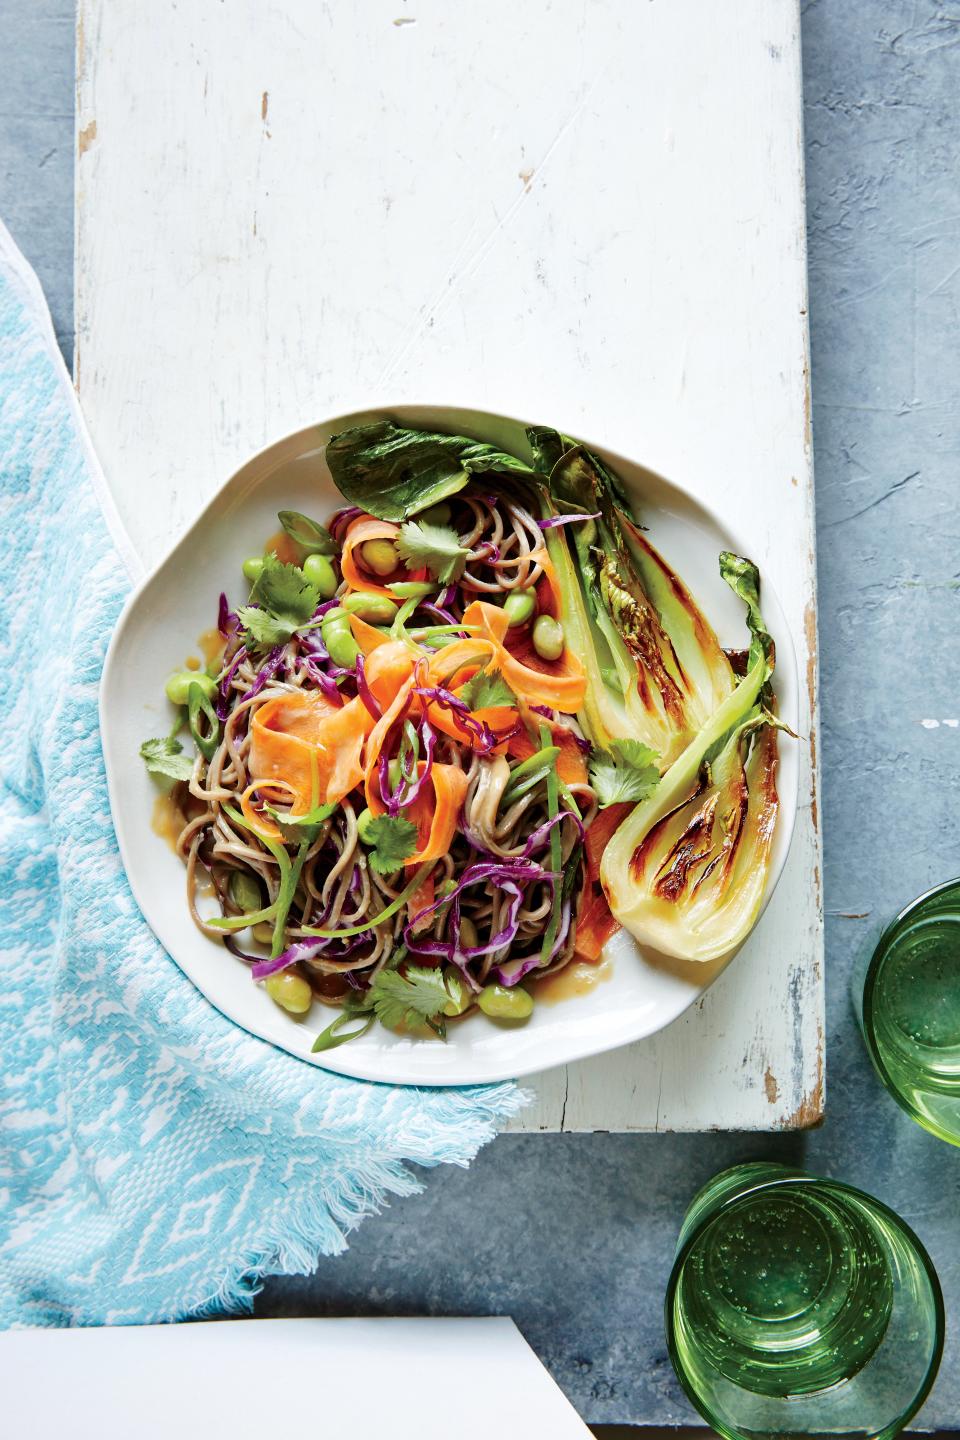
pixel 590 214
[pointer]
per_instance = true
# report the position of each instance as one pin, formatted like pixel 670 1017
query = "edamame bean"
pixel 468 932
pixel 454 982
pixel 518 606
pixel 503 1004
pixel 438 514
pixel 245 892
pixel 548 637
pixel 263 932
pixel 375 609
pixel 319 571
pixel 364 820
pixel 336 634
pixel 380 556
pixel 178 686
pixel 290 991
pixel 252 568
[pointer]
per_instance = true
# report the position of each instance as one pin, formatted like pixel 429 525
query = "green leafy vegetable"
pixel 392 840
pixel 315 538
pixel 743 577
pixel 417 996
pixel 392 472
pixel 486 689
pixel 655 670
pixel 687 870
pixel 287 600
pixel 627 772
pixel 548 447
pixel 436 546
pixel 166 757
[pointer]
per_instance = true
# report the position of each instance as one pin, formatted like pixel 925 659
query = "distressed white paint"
pixel 590 214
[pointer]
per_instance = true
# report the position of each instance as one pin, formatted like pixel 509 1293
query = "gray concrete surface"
pixel 573 1236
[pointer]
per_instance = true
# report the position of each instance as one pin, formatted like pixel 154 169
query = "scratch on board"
pixel 462 269
pixel 771 1088
pixel 86 137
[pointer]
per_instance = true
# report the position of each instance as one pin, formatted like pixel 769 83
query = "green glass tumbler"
pixel 801 1307
pixel 907 997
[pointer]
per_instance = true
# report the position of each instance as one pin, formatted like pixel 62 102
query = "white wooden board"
pixel 589 214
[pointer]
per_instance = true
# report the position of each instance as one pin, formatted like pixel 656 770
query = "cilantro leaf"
pixel 166 757
pixel 391 840
pixel 316 538
pixel 627 773
pixel 436 546
pixel 409 999
pixel 302 827
pixel 282 600
pixel 263 630
pixel 486 688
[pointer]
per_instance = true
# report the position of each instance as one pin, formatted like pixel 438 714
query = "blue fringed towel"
pixel 155 1161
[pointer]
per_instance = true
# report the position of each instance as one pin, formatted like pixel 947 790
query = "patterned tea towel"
pixel 155 1160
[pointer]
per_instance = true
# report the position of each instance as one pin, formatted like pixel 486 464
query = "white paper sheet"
pixel 352 1379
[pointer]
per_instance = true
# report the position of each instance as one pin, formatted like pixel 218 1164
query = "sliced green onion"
pixel 382 915
pixel 197 704
pixel 408 589
pixel 290 878
pixel 566 795
pixel 556 848
pixel 530 772
pixel 333 1036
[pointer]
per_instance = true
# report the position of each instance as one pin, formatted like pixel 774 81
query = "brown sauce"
pixel 285 549
pixel 211 643
pixel 167 820
pixel 577 978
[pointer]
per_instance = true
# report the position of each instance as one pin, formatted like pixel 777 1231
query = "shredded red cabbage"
pixel 445 617
pixel 228 622
pixel 511 972
pixel 408 789
pixel 341 519
pixel 223 695
pixel 268 669
pixel 486 738
pixel 556 520
pixel 365 693
pixel 541 834
pixel 582 745
pixel 303 950
pixel 323 682
pixel 506 875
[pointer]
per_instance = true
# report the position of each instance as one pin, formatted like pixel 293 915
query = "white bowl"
pixel 159 627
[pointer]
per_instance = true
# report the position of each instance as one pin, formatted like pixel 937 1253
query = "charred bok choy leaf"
pixel 687 869
pixel 656 672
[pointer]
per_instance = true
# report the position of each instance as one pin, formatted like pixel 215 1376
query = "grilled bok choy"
pixel 656 672
pixel 686 871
